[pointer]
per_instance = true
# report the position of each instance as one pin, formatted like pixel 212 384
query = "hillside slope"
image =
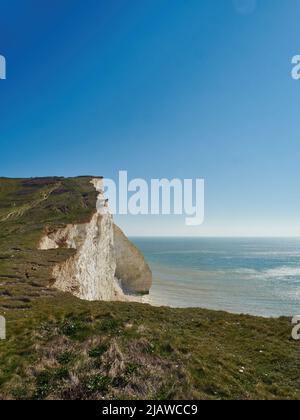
pixel 61 347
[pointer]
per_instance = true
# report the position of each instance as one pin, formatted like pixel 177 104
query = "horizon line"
pixel 216 237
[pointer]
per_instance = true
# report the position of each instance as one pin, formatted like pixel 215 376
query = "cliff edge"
pixel 60 347
pixel 106 265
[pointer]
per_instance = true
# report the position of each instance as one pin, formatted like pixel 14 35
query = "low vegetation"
pixel 59 347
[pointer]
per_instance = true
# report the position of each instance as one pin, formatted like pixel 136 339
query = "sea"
pixel 249 276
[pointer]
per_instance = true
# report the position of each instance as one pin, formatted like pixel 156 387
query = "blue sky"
pixel 161 88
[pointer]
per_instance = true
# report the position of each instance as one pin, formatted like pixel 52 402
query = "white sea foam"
pixel 282 272
pixel 243 276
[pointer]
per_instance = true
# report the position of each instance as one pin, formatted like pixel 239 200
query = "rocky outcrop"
pixel 106 266
pixel 131 267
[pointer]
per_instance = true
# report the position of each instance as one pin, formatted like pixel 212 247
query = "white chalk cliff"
pixel 106 266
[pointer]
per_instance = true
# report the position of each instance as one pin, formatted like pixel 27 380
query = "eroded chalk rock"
pixel 106 266
pixel 131 268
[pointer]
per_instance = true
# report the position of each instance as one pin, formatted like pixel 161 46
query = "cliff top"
pixel 61 347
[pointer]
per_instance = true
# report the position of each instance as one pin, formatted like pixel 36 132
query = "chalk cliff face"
pixel 106 266
pixel 130 267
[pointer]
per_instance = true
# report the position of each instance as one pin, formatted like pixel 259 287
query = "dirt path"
pixel 18 212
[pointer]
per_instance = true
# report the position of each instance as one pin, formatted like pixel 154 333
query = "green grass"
pixel 98 383
pixel 61 347
pixel 98 351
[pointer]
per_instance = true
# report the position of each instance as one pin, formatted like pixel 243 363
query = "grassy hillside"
pixel 61 347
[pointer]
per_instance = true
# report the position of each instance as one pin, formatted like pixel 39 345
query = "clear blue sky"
pixel 161 88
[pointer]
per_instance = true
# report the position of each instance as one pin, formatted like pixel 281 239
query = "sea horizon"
pixel 213 237
pixel 255 276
